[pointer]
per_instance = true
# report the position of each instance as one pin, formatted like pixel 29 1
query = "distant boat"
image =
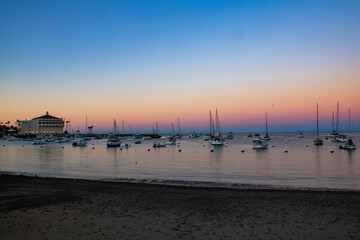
pixel 260 144
pixel 215 133
pixel 158 145
pixel 301 135
pixel 113 140
pixel 230 135
pixel 334 133
pixel 349 145
pixel 257 137
pixel 318 140
pixel 79 143
pixel 266 137
pixel 193 135
pixel 38 142
pixel 340 138
pixel 250 135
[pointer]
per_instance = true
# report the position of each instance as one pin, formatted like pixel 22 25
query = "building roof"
pixel 47 116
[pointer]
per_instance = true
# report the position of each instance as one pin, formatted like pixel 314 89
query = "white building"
pixel 45 124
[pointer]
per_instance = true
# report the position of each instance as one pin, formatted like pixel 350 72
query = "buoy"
pixel 332 150
pixel 22 145
pixel 62 147
pixel 93 144
pixel 286 150
pixel 120 149
pixel 4 145
pixel 135 162
pixel 148 149
pixel 179 150
pixel 41 146
pixel 307 145
pixel 203 145
pixel 93 147
pixel 273 145
pixel 212 150
pixel 242 150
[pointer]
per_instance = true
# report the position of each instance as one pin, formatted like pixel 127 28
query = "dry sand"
pixel 45 208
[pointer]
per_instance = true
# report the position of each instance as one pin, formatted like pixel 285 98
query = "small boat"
pixel 158 145
pixel 250 135
pixel 340 138
pixel 230 135
pixel 207 138
pixel 113 142
pixel 79 143
pixel 260 144
pixel 137 136
pixel 193 135
pixel 172 141
pixel 318 141
pixel 137 142
pixel 301 135
pixel 38 142
pixel 349 145
pixel 147 138
pixel 257 137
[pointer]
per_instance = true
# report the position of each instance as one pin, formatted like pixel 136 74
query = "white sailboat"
pixel 318 140
pixel 260 144
pixel 215 133
pixel 113 140
pixel 301 135
pixel 266 137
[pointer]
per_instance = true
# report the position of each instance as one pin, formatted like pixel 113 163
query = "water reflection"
pixel 312 166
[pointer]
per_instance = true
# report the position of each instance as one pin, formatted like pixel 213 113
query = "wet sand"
pixel 48 208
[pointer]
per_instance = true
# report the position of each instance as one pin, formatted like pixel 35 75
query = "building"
pixel 45 124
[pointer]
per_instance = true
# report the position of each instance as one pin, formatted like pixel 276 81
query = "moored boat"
pixel 318 141
pixel 260 144
pixel 349 145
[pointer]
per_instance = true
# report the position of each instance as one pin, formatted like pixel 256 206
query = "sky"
pixel 143 62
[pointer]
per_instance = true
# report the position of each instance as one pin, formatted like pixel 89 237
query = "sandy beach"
pixel 49 208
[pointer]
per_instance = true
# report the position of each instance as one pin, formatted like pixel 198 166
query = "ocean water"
pixel 302 167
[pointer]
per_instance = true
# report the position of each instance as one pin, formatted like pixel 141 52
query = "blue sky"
pixel 126 49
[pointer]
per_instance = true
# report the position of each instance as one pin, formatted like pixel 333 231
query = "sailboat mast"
pixel 266 124
pixel 333 127
pixel 217 122
pixel 172 129
pixel 349 119
pixel 157 128
pixel 337 117
pixel 179 129
pixel 210 124
pixel 317 119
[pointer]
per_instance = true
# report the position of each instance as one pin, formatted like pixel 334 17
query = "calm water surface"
pixel 301 167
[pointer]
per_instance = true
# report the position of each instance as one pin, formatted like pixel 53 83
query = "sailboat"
pixel 114 140
pixel 339 137
pixel 301 135
pixel 178 135
pixel 215 133
pixel 318 140
pixel 349 145
pixel 266 137
pixel 172 137
pixel 334 132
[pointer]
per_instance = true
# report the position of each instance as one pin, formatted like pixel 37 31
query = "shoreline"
pixel 189 184
pixel 36 207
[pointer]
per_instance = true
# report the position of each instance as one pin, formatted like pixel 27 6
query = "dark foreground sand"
pixel 42 208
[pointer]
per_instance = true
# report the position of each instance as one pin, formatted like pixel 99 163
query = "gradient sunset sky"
pixel 147 61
